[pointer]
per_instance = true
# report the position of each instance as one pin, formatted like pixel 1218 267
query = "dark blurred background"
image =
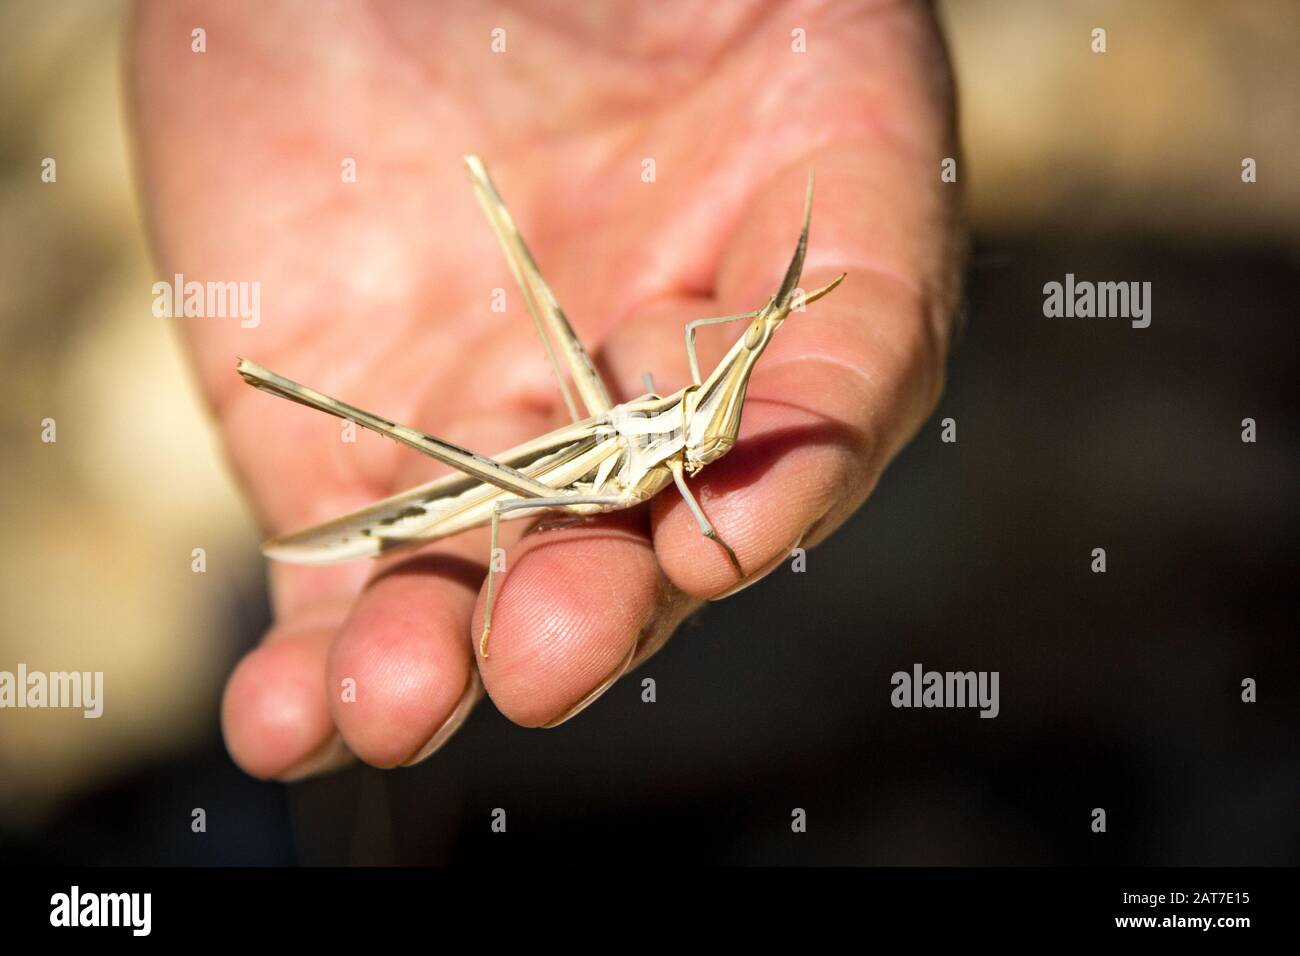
pixel 1119 690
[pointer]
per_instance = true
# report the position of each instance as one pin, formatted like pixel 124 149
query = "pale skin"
pixel 380 290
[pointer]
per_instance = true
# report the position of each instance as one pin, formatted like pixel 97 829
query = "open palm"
pixel 654 157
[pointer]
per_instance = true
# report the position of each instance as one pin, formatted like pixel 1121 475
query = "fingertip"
pixel 789 469
pixel 274 716
pixel 400 673
pixel 569 612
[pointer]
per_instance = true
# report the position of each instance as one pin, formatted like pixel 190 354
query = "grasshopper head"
pixel 713 409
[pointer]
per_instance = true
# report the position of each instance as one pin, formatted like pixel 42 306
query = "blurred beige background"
pixel 95 564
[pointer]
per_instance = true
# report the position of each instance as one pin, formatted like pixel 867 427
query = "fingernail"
pixel 591 698
pixel 331 755
pixel 473 691
pixel 755 576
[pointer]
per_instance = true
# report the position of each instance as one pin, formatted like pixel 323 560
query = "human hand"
pixel 378 292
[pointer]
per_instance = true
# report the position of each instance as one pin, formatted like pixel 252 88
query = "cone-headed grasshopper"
pixel 615 457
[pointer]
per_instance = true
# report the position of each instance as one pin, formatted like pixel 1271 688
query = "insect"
pixel 616 456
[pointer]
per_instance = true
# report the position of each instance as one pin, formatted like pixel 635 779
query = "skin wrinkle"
pixel 652 88
pixel 827 430
pixel 555 651
pixel 873 381
pixel 573 614
pixel 803 359
pixel 582 49
pixel 562 648
pixel 321 613
pixel 670 606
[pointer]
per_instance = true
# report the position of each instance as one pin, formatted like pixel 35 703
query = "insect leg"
pixel 808 299
pixel 477 466
pixel 706 527
pixel 541 302
pixel 690 336
pixel 516 504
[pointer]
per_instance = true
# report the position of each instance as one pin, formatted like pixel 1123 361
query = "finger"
pixel 840 388
pixel 575 610
pixel 274 713
pixel 402 676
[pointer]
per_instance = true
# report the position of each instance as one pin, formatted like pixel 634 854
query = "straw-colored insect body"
pixel 614 457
